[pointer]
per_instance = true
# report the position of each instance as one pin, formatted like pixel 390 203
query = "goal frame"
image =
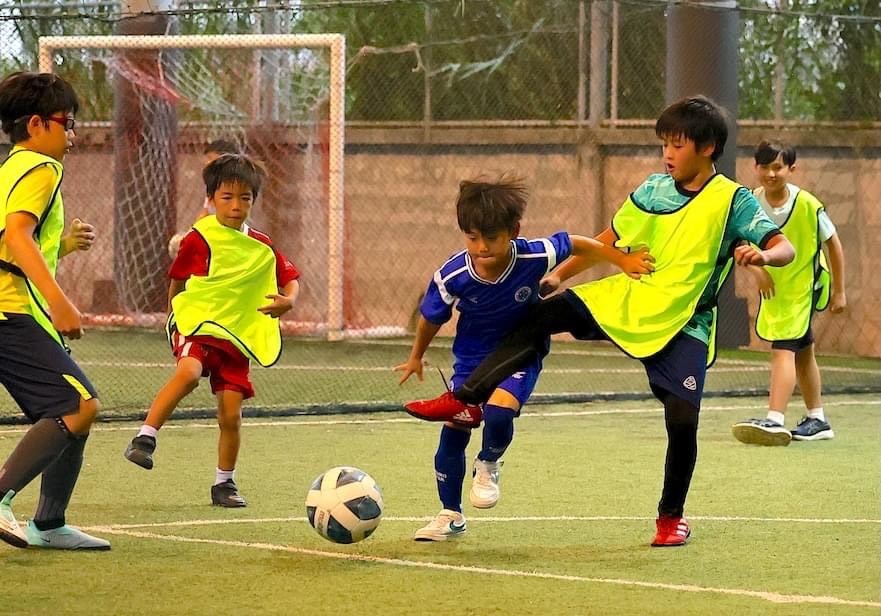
pixel 336 43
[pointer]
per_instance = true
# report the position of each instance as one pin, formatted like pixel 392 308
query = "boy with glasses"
pixel 37 112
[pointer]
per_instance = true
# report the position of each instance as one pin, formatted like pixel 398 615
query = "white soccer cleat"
pixel 446 524
pixel 485 485
pixel 10 530
pixel 64 538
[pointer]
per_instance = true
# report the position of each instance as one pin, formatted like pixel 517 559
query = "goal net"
pixel 152 107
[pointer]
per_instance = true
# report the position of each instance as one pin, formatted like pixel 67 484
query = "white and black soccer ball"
pixel 344 504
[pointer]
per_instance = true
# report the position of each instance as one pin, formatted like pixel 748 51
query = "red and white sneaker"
pixel 672 532
pixel 446 408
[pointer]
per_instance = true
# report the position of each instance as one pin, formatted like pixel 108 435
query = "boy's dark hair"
pixel 223 146
pixel 698 119
pixel 234 168
pixel 768 151
pixel 26 94
pixel 491 206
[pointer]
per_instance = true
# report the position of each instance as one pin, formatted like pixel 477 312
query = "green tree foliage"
pixel 510 59
pixel 831 60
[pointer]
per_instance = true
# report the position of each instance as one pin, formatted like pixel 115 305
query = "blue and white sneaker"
pixel 447 524
pixel 812 429
pixel 761 432
pixel 10 530
pixel 64 538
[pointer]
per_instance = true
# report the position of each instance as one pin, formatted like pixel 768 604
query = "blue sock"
pixel 449 466
pixel 498 432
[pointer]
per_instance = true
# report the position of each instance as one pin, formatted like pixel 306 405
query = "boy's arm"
pixel 777 253
pixel 587 252
pixel 425 333
pixel 174 287
pixel 835 254
pixel 19 237
pixel 763 280
pixel 282 302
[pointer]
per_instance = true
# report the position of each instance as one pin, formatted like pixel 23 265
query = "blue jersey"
pixel 489 310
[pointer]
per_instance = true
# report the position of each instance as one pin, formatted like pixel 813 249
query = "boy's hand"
pixel 66 319
pixel 637 263
pixel 548 285
pixel 764 281
pixel 280 304
pixel 746 254
pixel 80 237
pixel 837 303
pixel 409 368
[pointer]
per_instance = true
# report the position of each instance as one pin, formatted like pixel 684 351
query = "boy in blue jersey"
pixel 491 283
pixel 789 298
pixel 693 221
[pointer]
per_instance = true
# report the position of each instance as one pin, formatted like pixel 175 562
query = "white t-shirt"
pixel 780 214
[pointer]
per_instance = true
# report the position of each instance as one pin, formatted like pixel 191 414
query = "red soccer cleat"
pixel 672 532
pixel 446 408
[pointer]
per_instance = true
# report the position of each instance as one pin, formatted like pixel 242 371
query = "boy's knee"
pixel 80 421
pixel 89 408
pixel 229 420
pixel 496 415
pixel 680 412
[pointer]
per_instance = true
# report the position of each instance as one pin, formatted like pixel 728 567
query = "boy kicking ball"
pixel 229 286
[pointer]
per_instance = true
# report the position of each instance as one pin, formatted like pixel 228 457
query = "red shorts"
pixel 221 361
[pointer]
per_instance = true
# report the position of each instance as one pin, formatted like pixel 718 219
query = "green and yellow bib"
pixel 48 231
pixel 223 304
pixel 642 316
pixel 801 286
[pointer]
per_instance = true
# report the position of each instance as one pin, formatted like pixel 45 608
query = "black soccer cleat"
pixel 226 494
pixel 140 451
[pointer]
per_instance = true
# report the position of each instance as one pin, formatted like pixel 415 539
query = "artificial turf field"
pixel 794 530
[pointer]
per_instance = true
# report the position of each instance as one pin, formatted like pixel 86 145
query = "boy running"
pixel 37 112
pixel 789 298
pixel 219 318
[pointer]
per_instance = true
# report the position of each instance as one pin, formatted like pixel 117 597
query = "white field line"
pixel 511 519
pixel 295 422
pixel 513 573
pixel 735 366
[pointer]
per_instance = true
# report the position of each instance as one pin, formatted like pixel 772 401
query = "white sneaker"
pixel 10 530
pixel 448 523
pixel 64 538
pixel 485 485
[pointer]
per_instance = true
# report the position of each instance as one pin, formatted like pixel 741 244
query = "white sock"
pixel 817 413
pixel 776 416
pixel 148 431
pixel 222 476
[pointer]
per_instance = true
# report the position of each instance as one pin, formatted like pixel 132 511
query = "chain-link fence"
pixel 562 92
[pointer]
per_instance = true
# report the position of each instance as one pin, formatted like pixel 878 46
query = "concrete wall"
pixel 400 191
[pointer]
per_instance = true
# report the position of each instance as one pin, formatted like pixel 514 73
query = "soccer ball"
pixel 344 505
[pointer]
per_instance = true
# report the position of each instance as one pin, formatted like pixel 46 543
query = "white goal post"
pixel 50 45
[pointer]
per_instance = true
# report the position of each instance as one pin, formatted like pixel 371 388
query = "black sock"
pixel 59 479
pixel 681 419
pixel 36 450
